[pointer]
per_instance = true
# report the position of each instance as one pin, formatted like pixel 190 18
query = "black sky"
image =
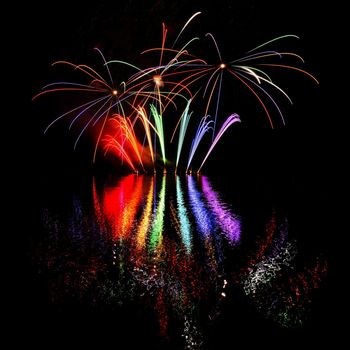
pixel 299 155
pixel 122 29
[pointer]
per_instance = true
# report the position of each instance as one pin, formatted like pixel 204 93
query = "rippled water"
pixel 168 256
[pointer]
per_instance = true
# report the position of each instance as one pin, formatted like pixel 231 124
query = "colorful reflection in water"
pixel 158 251
pixel 272 277
pixel 164 243
pixel 229 223
pixel 185 226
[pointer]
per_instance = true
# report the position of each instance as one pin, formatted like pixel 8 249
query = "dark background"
pixel 122 30
pixel 294 163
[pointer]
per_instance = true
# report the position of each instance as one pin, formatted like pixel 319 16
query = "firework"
pixel 177 77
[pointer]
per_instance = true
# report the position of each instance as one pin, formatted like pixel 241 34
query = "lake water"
pixel 173 262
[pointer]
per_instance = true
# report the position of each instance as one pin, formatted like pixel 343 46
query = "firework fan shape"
pixel 132 117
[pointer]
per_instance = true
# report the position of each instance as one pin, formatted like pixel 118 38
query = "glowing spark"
pixel 158 80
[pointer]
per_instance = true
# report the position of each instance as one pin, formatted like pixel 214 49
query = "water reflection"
pixel 164 243
pixel 156 236
pixel 229 223
pixel 185 227
pixel 279 288
pixel 145 221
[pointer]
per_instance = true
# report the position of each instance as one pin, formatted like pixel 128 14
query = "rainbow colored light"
pixel 178 81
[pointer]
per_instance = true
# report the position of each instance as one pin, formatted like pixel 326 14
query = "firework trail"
pixel 234 118
pixel 176 78
pixel 203 128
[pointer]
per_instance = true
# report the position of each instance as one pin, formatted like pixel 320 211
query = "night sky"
pixel 297 157
pixel 293 161
pixel 123 29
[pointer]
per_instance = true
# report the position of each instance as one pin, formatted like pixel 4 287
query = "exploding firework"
pixel 133 118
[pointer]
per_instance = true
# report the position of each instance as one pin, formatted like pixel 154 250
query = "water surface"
pixel 171 260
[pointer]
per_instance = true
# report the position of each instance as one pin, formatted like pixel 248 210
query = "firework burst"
pixel 132 118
